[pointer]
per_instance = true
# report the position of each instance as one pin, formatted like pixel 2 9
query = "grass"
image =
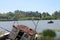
pixel 1 33
pixel 57 30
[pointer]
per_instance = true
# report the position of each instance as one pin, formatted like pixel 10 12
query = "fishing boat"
pixel 19 32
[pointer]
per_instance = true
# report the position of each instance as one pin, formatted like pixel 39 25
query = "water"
pixel 42 25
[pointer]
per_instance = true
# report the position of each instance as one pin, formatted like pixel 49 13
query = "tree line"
pixel 29 15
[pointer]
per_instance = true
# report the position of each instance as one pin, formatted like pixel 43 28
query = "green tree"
pixel 56 14
pixel 44 14
pixel 10 15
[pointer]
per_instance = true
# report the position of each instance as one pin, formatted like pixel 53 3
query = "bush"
pixel 48 34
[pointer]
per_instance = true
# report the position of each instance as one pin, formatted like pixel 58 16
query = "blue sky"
pixel 30 5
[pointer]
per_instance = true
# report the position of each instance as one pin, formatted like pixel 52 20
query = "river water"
pixel 42 25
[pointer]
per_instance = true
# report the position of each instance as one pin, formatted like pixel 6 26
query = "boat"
pixel 50 21
pixel 19 32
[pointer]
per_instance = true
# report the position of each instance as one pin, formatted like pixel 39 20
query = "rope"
pixel 6 30
pixel 36 24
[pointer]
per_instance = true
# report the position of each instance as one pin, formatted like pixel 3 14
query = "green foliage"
pixel 21 15
pixel 49 33
pixel 56 14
